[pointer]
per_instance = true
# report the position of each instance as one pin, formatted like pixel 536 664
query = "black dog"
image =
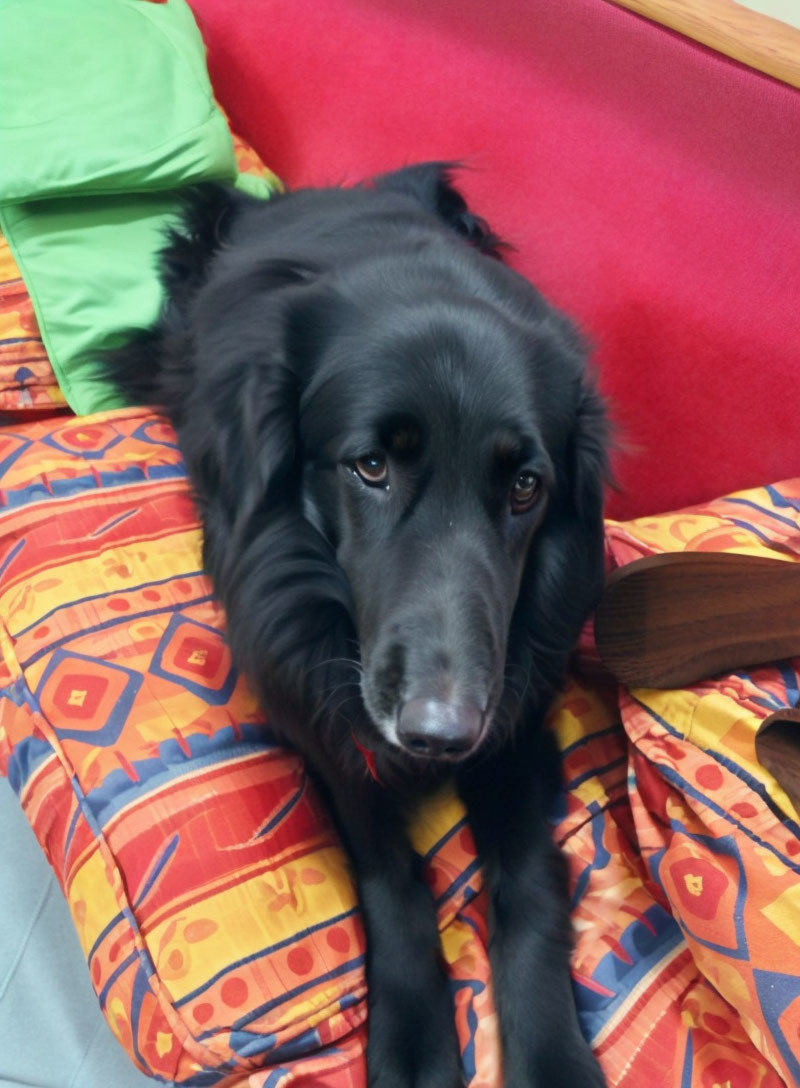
pixel 399 460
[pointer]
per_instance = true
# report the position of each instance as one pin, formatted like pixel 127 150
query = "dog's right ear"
pixel 288 602
pixel 431 185
pixel 238 425
pixel 207 214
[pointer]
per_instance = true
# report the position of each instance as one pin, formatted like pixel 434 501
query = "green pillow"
pixel 106 110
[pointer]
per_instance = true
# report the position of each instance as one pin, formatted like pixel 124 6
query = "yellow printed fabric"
pixel 719 838
pixel 27 382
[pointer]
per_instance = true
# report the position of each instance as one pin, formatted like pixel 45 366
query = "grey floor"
pixel 52 1034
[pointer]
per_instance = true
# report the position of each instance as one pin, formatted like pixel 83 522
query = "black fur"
pixel 430 619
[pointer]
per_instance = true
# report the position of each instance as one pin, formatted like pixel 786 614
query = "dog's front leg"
pixel 507 798
pixel 411 1028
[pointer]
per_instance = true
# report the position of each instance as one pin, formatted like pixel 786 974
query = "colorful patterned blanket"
pixel 212 899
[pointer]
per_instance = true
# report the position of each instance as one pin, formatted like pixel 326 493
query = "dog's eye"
pixel 372 469
pixel 524 492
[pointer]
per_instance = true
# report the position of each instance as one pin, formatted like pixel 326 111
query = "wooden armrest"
pixel 764 43
pixel 670 620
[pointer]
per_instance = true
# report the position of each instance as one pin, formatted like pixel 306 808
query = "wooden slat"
pixel 763 43
pixel 669 620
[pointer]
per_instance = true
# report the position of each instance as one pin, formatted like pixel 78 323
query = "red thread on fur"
pixel 369 758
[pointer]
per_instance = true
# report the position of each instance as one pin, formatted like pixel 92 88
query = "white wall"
pixel 787 10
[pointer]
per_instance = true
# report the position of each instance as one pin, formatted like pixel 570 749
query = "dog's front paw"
pixel 580 1070
pixel 569 1067
pixel 398 1075
pixel 555 1061
pixel 416 1050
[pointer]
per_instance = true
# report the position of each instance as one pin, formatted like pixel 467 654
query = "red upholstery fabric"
pixel 649 185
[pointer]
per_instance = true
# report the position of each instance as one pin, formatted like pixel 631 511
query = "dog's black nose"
pixel 436 730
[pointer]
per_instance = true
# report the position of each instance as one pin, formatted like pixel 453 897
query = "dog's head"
pixel 403 473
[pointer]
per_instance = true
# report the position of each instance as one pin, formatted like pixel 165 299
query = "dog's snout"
pixel 439 730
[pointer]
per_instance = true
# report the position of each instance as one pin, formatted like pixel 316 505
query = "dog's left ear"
pixel 431 185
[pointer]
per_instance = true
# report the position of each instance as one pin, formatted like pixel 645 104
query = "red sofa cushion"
pixel 649 185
